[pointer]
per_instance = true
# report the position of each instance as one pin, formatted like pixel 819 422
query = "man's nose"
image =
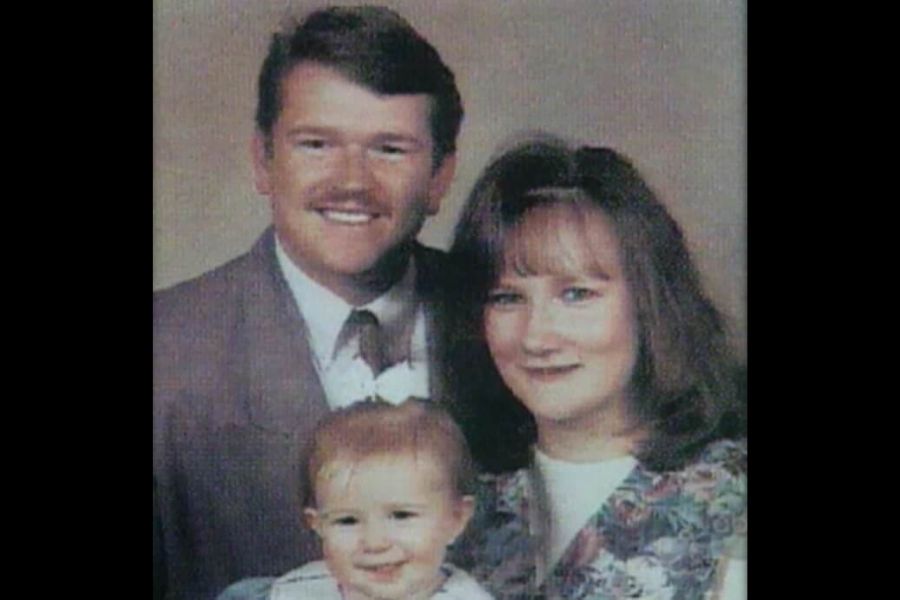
pixel 354 172
pixel 540 333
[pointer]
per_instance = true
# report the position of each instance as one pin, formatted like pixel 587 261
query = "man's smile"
pixel 347 217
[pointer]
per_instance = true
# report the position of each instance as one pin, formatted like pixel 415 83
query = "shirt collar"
pixel 325 312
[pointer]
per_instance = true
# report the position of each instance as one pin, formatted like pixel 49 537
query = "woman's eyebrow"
pixel 503 283
pixel 593 272
pixel 600 273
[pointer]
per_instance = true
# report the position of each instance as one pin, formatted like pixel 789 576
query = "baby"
pixel 392 487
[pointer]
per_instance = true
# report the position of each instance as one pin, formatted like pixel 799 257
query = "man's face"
pixel 385 523
pixel 349 175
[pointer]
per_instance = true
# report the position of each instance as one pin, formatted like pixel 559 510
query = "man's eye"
pixel 312 144
pixel 504 298
pixel 391 151
pixel 578 294
pixel 345 521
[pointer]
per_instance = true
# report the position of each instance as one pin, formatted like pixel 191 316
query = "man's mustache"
pixel 341 200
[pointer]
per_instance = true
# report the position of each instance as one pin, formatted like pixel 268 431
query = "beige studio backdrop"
pixel 663 81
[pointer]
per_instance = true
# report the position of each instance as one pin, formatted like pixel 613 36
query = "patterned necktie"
pixel 371 349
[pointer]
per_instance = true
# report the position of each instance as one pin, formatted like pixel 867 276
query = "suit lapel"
pixel 284 389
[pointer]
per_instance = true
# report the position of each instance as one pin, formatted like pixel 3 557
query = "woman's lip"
pixel 548 371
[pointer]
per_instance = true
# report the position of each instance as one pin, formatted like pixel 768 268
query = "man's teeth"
pixel 351 218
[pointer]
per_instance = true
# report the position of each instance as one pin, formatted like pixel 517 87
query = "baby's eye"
pixel 578 294
pixel 402 515
pixel 504 298
pixel 345 521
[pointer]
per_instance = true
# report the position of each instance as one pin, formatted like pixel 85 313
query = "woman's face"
pixel 559 322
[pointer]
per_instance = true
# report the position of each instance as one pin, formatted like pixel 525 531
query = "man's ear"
pixel 465 508
pixel 311 516
pixel 440 183
pixel 261 163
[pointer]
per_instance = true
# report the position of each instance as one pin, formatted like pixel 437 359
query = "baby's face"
pixel 385 523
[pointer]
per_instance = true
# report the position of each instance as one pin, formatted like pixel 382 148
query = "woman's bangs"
pixel 553 239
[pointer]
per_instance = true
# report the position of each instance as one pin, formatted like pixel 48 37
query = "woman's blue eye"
pixel 578 294
pixel 504 298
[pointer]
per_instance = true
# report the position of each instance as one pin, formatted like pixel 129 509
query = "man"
pixel 357 119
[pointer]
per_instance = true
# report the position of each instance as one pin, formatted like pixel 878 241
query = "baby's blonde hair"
pixel 378 428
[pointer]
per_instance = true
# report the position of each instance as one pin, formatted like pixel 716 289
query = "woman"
pixel 617 393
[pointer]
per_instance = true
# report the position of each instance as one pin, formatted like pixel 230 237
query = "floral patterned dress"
pixel 658 535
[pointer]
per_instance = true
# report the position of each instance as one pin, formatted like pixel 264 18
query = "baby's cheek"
pixel 336 545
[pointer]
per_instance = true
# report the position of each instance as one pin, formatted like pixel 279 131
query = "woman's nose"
pixel 540 335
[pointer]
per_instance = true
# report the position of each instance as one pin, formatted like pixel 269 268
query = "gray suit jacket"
pixel 236 396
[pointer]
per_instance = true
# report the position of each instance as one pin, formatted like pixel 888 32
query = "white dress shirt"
pixel 345 376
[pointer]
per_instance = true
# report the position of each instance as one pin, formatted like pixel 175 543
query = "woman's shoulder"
pixel 707 497
pixel 665 530
pixel 733 451
pixel 723 461
pixel 718 471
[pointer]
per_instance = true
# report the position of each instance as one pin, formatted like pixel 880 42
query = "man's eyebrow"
pixel 398 137
pixel 386 136
pixel 310 130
